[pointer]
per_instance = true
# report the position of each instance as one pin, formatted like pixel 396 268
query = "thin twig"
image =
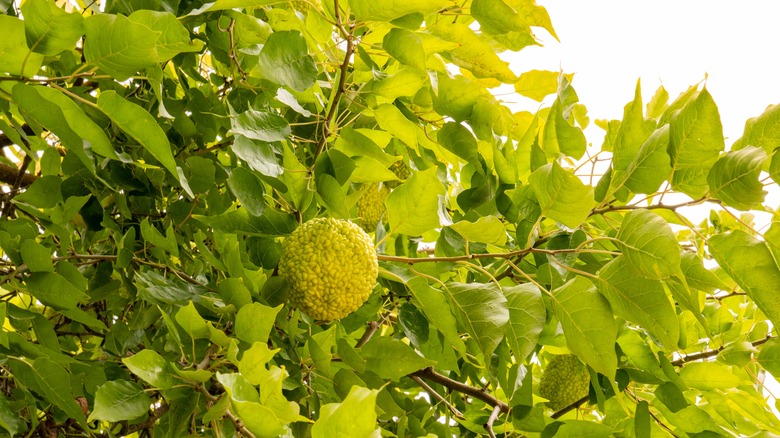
pixel 340 88
pixel 373 326
pixel 432 392
pixel 473 391
pixel 148 423
pixel 492 419
pixel 652 207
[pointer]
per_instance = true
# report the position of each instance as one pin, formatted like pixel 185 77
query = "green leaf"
pixel 10 420
pixel 639 300
pixel 259 125
pixel 193 324
pixel 769 357
pixel 55 383
pixel 697 276
pixel 54 290
pixel 63 117
pixel 560 136
pixel 118 46
pixel 220 5
pixel 497 17
pixel 457 139
pixel 526 318
pixel 391 358
pixel 392 120
pixel 49 29
pixel 750 263
pixel 695 141
pixel 253 363
pixel 588 324
pixel 36 256
pixel 582 428
pixel 332 195
pixel 151 368
pixel 285 60
pixel 119 400
pixel 538 84
pixel 632 134
pixel 473 53
pixel 14 52
pixel 734 178
pixel 254 322
pixel 455 97
pixel 406 47
pixel 487 229
pixel 710 375
pixel 43 193
pixel 355 417
pixel 561 195
pixel 140 125
pixel 403 83
pixel 762 131
pixel 387 10
pixel 434 304
pixel 413 206
pixel 481 309
pixel 173 36
pixel 651 166
pixel 649 245
pixel 248 189
pixel 259 155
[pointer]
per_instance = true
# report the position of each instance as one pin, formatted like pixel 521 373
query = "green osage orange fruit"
pixel 330 266
pixel 564 381
pixel 371 206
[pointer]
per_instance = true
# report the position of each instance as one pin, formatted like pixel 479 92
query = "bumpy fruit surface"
pixel 371 206
pixel 401 170
pixel 331 267
pixel 564 381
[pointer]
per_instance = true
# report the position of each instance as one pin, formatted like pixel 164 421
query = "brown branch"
pixel 9 175
pixel 340 88
pixel 242 430
pixel 454 385
pixel 710 353
pixel 432 392
pixel 465 258
pixel 678 363
pixel 373 326
pixel 492 419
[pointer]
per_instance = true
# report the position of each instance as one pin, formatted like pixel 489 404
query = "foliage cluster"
pixel 157 153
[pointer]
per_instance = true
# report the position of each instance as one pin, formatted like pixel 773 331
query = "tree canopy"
pixel 158 153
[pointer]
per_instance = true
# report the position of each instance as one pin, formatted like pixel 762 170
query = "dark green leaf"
pixel 120 400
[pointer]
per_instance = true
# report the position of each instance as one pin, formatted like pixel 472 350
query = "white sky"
pixel 608 44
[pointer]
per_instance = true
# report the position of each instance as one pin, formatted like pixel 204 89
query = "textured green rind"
pixel 371 206
pixel 564 381
pixel 331 267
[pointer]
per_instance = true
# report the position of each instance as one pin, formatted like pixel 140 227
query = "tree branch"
pixel 340 88
pixel 652 207
pixel 678 363
pixel 454 385
pixel 432 392
pixel 10 174
pixel 492 419
pixel 497 255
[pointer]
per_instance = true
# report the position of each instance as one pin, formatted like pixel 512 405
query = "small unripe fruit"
pixel 564 381
pixel 371 206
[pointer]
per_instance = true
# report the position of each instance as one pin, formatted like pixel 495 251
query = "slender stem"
pixel 679 362
pixel 652 207
pixel 492 419
pixel 373 326
pixel 340 88
pixel 478 393
pixel 432 392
